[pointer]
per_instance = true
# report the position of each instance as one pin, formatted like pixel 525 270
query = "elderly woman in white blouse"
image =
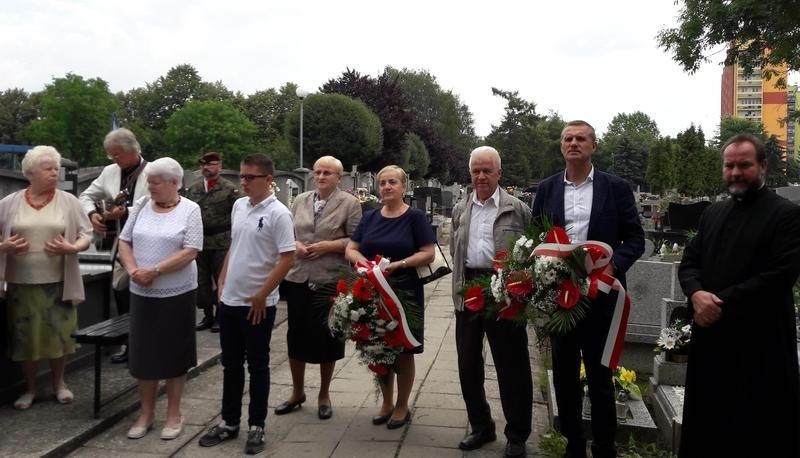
pixel 158 247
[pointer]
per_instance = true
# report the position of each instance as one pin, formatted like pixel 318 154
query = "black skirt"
pixel 162 336
pixel 308 337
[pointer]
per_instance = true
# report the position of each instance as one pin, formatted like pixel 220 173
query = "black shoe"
pixel 394 424
pixel 288 407
pixel 215 327
pixel 324 412
pixel 206 323
pixel 255 440
pixel 476 440
pixel 219 434
pixel 121 357
pixel 381 419
pixel 515 449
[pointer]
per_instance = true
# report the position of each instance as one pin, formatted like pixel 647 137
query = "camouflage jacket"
pixel 215 207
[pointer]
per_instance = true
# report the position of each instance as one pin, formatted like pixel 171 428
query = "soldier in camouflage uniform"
pixel 215 195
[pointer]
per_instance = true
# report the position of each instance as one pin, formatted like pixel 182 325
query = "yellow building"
pixel 754 97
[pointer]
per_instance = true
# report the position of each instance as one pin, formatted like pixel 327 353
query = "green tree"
pixel 415 158
pixel 268 110
pixel 337 125
pixel 386 98
pixel 516 138
pixel 640 130
pixel 691 162
pixel 75 117
pixel 630 161
pixel 441 121
pixel 207 125
pixel 17 110
pixel 662 166
pixel 747 28
pixel 776 163
pixel 730 126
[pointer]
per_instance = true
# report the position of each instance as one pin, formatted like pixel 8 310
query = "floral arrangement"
pixel 551 285
pixel 625 384
pixel 548 290
pixel 365 312
pixel 273 187
pixel 675 337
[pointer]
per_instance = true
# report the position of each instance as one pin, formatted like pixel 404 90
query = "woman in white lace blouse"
pixel 158 247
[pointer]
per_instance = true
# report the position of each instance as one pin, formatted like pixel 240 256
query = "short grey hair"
pixel 37 155
pixel 125 139
pixel 166 168
pixel 485 150
pixel 332 162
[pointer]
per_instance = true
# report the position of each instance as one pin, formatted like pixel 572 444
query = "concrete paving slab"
pixel 366 449
pixel 301 449
pixel 433 436
pixel 416 451
pixel 453 418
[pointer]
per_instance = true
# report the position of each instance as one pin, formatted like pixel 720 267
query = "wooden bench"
pixel 113 331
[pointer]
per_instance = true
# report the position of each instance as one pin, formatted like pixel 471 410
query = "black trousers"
pixel 508 343
pixel 240 339
pixel 587 339
pixel 209 263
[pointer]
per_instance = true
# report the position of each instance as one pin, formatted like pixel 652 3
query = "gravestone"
pixel 667 373
pixel 638 424
pixel 668 411
pixel 685 217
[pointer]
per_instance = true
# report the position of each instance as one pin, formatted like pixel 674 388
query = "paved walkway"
pixel 439 420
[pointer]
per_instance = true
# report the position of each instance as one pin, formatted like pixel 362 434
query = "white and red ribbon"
pixel 598 256
pixel 391 303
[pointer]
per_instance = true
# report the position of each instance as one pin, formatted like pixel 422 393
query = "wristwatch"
pixel 403 262
pixel 158 271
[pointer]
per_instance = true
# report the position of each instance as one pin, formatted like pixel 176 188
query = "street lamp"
pixel 301 94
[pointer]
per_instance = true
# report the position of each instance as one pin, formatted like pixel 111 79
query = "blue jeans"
pixel 240 339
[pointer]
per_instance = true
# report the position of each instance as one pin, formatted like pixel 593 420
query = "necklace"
pixel 40 206
pixel 170 205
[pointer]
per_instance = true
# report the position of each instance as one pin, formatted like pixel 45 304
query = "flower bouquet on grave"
pixel 674 340
pixel 625 385
pixel 367 311
pixel 545 279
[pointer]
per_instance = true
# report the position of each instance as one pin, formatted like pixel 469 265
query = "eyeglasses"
pixel 324 173
pixel 251 177
pixel 203 162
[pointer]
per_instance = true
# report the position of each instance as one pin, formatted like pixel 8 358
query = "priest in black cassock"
pixel 742 382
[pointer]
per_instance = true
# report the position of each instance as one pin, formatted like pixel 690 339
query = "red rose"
pixel 474 299
pixel 360 332
pixel 568 294
pixel 362 290
pixel 341 287
pixel 379 369
pixel 394 338
pixel 519 283
pixel 510 311
pixel 557 235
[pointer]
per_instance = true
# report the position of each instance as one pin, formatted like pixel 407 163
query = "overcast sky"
pixel 583 59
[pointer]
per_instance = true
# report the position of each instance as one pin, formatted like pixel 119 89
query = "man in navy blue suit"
pixel 590 205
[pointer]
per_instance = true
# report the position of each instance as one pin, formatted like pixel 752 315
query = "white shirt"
pixel 480 246
pixel 578 207
pixel 259 234
pixel 157 236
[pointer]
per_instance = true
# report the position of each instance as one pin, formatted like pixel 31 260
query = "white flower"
pixel 687 329
pixel 354 315
pixel 391 325
pixel 667 342
pixel 529 244
pixel 380 322
pixel 676 248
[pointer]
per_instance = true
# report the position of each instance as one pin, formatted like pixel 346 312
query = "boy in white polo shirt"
pixel 260 255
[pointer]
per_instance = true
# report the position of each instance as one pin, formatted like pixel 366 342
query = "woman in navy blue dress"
pixel 403 235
